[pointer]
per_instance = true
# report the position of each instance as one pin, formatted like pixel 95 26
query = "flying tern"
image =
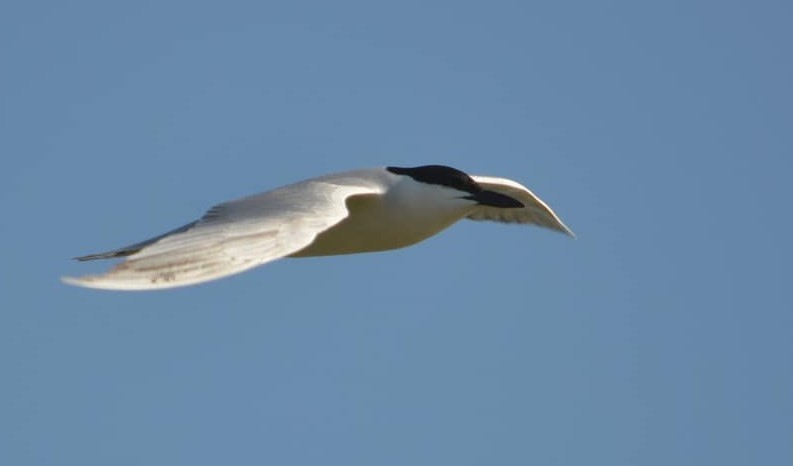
pixel 356 211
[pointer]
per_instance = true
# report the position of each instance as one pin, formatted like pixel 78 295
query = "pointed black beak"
pixel 494 199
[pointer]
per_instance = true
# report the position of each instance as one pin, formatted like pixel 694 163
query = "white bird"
pixel 351 212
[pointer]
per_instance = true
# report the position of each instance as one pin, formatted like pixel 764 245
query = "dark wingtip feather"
pixel 107 255
pixel 133 248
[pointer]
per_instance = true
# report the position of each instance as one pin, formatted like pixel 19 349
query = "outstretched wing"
pixel 535 211
pixel 230 238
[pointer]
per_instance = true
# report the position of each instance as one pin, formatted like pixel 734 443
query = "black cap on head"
pixel 440 175
pixel 459 180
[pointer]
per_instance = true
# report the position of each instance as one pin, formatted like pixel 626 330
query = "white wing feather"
pixel 232 237
pixel 535 211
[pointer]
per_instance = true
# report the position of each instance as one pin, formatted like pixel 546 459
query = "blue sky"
pixel 660 132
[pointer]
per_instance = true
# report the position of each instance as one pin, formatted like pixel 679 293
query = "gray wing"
pixel 535 211
pixel 230 238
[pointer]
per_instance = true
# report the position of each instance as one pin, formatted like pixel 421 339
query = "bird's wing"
pixel 535 211
pixel 230 238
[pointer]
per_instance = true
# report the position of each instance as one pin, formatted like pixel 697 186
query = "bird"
pixel 357 211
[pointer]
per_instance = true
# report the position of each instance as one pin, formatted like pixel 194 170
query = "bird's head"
pixel 450 183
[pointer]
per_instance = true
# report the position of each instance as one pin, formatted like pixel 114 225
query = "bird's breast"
pixel 374 224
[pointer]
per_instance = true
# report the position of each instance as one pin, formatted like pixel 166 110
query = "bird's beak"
pixel 494 199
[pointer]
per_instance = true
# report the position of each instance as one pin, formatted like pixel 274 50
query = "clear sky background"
pixel 661 132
